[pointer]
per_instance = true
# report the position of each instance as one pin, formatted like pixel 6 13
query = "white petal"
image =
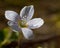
pixel 28 34
pixel 35 23
pixel 14 26
pixel 27 12
pixel 11 15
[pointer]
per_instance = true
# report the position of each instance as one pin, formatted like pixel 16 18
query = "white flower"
pixel 23 22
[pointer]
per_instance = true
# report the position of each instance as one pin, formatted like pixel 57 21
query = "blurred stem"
pixel 19 39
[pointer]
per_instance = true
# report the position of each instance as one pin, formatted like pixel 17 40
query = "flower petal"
pixel 28 34
pixel 27 12
pixel 14 26
pixel 35 23
pixel 11 15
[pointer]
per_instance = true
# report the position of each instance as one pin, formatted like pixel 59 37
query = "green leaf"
pixel 6 34
pixel 1 36
pixel 14 36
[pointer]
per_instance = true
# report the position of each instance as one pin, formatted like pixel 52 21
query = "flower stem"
pixel 19 39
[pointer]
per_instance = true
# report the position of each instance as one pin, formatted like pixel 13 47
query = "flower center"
pixel 22 23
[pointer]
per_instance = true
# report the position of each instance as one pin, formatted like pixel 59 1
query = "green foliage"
pixel 1 36
pixel 14 36
pixel 7 36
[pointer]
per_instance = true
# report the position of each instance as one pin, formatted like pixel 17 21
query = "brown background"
pixel 49 10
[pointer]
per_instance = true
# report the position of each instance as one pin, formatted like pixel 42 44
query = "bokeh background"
pixel 47 36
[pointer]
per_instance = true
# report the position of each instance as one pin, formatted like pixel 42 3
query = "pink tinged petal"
pixel 28 34
pixel 14 26
pixel 27 12
pixel 35 23
pixel 11 15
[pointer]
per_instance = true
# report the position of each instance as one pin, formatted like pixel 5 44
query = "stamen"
pixel 22 23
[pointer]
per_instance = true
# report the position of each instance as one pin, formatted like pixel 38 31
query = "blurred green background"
pixel 47 36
